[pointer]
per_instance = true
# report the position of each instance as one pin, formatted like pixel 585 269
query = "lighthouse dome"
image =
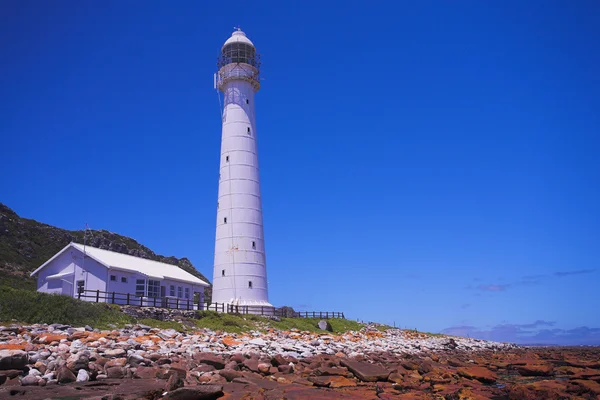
pixel 238 49
pixel 238 37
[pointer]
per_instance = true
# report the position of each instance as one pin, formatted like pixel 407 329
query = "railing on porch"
pixel 189 304
pixel 129 299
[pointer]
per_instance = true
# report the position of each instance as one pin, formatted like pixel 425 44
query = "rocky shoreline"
pixel 59 361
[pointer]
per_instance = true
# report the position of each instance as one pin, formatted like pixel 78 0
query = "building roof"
pixel 125 262
pixel 238 37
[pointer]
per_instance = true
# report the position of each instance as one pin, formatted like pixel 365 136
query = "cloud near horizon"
pixel 538 332
pixel 578 272
pixel 528 280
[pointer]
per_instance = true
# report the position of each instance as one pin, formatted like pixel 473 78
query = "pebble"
pixel 83 376
pixel 118 353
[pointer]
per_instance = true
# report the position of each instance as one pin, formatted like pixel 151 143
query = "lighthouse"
pixel 240 273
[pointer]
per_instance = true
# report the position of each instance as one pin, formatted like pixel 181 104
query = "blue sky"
pixel 429 164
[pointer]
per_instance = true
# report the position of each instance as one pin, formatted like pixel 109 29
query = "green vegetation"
pixel 17 281
pixel 33 307
pixel 228 322
pixel 310 324
pixel 178 326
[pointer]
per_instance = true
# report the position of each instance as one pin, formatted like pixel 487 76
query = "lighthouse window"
pixel 248 129
pixel 223 272
pixel 247 101
pixel 227 159
pixel 254 245
pixel 249 284
pixel 225 220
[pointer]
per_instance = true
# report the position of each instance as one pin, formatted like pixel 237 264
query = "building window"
pixel 113 278
pixel 226 158
pixel 222 272
pixel 80 286
pixel 123 279
pixel 140 287
pixel 254 245
pixel 153 288
pixel 249 284
pixel 187 292
pixel 225 220
pixel 179 291
pixel 172 290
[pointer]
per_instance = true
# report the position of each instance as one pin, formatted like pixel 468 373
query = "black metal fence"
pixel 129 299
pixel 136 300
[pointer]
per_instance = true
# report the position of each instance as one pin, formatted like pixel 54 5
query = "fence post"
pixel 177 304
pixel 79 295
pixel 188 304
pixel 127 298
pixel 97 296
pixel 154 301
pixel 141 301
pixel 113 298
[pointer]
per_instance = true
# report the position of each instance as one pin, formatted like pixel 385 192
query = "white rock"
pixel 83 376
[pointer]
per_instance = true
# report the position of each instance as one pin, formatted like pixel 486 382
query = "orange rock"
pixel 535 369
pixel 49 338
pixel 6 346
pixel 479 373
pixel 589 386
pixel 229 341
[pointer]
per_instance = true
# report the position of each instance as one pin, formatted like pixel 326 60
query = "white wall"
pixel 92 273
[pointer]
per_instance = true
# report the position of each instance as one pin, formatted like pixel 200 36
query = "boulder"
pixel 82 376
pixel 230 374
pixel 331 381
pixel 115 353
pixel 210 359
pixel 115 372
pixel 325 325
pixel 12 359
pixel 65 375
pixel 535 370
pixel 366 372
pixel 201 392
pixel 481 374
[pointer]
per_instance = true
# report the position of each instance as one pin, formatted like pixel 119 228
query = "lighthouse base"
pixel 245 307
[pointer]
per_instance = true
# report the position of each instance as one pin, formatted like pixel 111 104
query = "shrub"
pixel 35 307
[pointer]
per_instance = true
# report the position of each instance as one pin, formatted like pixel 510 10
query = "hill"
pixel 25 244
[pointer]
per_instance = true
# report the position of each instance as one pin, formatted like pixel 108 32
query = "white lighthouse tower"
pixel 240 273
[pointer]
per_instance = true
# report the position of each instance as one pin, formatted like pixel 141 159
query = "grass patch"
pixel 16 281
pixel 310 324
pixel 225 322
pixel 155 323
pixel 383 328
pixel 34 307
pixel 344 325
pixel 28 306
